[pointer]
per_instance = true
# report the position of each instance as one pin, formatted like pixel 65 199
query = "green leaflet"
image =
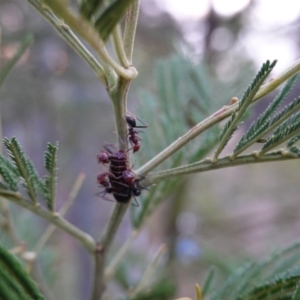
pixel 283 132
pixel 21 162
pixel 50 160
pixel 246 100
pixel 24 170
pixel 17 278
pixel 262 123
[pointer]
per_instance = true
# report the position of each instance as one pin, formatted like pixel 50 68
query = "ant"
pixel 132 132
pixel 121 181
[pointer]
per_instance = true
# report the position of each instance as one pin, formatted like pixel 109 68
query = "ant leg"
pixel 135 203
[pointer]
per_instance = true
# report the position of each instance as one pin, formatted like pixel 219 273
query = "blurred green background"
pixel 225 216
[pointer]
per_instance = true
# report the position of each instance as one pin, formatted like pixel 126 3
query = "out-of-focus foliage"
pixel 15 283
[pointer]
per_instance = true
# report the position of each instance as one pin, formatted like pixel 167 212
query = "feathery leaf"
pixel 285 131
pixel 262 123
pixel 293 140
pixel 281 286
pixel 23 164
pixel 17 272
pixel 286 112
pixel 50 159
pixel 18 157
pixel 246 100
pixel 256 83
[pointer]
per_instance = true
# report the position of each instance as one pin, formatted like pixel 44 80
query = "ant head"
pixel 103 158
pixel 130 121
pixel 136 192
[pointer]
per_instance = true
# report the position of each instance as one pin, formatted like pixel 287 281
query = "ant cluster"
pixel 120 180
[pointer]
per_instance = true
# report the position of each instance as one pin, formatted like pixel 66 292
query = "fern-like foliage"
pixel 226 127
pixel 21 169
pixel 285 131
pixel 232 124
pixel 282 286
pixel 23 165
pixel 9 173
pixel 293 140
pixel 50 159
pixel 276 277
pixel 263 121
pixel 15 283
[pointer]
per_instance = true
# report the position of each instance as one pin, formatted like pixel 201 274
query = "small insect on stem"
pixel 134 139
pixel 120 180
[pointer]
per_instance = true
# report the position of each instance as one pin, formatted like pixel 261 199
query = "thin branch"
pixel 225 162
pixel 65 208
pixel 9 225
pixel 85 239
pixel 277 81
pixel 130 28
pixel 84 29
pixel 218 116
pixel 119 47
pixel 148 275
pixel 113 225
pixel 66 33
pixel 113 265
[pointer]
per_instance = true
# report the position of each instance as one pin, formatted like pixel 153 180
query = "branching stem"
pixel 85 239
pixel 67 34
pixel 221 114
pixel 85 30
pixel 225 162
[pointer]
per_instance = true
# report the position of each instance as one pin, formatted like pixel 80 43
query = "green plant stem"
pixel 9 225
pixel 148 275
pixel 215 118
pixel 225 162
pixel 104 245
pixel 25 44
pixel 119 47
pixel 119 99
pixel 65 208
pixel 85 239
pixel 66 33
pixel 85 30
pixel 112 267
pixel 130 28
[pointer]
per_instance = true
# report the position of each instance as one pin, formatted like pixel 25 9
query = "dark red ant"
pixel 132 132
pixel 121 182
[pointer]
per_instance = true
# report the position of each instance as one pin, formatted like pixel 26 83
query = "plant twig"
pixel 215 118
pixel 119 47
pixel 85 239
pixel 112 267
pixel 130 28
pixel 67 34
pixel 9 225
pixel 84 29
pixel 150 270
pixel 225 162
pixel 65 208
